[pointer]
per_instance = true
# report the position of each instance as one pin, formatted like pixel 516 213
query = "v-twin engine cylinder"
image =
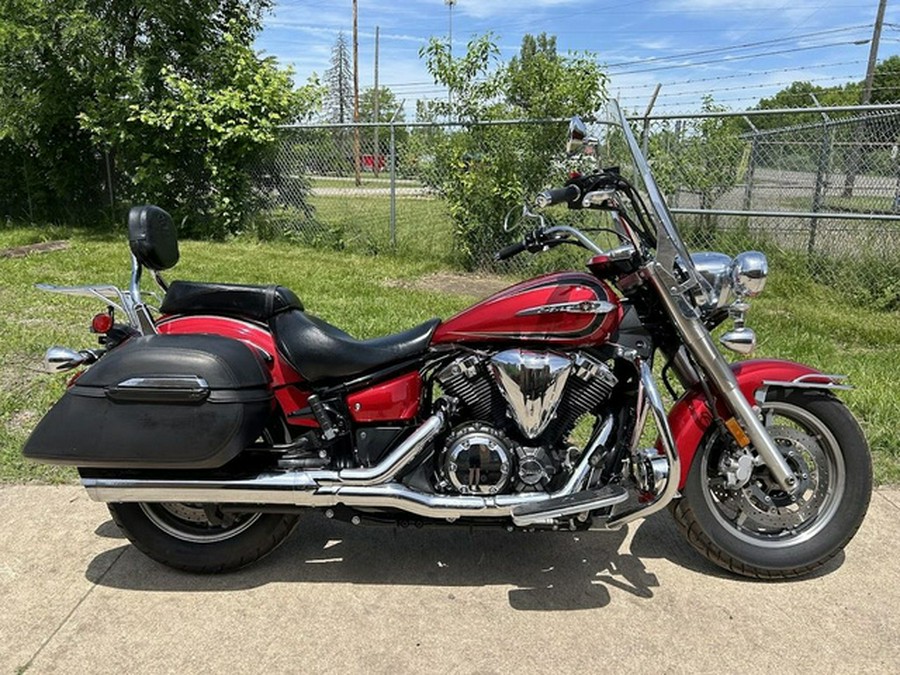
pixel 542 393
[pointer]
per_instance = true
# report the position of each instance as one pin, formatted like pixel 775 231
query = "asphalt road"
pixel 77 598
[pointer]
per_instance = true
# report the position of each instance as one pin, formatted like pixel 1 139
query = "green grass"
pixel 362 224
pixel 795 318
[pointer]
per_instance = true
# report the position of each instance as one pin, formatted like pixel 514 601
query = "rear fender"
pixel 690 416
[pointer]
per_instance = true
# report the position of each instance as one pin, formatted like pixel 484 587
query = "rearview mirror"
pixel 577 134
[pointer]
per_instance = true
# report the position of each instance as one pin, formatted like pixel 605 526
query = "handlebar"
pixel 508 252
pixel 543 238
pixel 567 194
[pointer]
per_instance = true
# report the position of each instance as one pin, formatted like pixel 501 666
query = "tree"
pixel 51 168
pixel 705 156
pixel 150 100
pixel 886 81
pixel 538 83
pixel 338 80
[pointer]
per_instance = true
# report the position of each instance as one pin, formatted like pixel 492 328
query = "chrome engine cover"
pixel 533 384
pixel 478 460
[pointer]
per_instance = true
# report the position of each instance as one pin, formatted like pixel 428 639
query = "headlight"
pixel 744 276
pixel 717 270
pixel 748 274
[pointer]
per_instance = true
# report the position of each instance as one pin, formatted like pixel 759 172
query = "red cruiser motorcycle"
pixel 209 425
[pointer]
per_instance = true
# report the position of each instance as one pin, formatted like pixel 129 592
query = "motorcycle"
pixel 210 424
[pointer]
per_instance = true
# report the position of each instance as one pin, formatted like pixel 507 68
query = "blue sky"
pixel 736 50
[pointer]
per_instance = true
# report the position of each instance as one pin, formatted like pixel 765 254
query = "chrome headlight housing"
pixel 716 270
pixel 729 279
pixel 748 274
pixel 731 283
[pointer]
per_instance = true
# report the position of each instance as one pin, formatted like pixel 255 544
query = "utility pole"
pixel 855 158
pixel 377 153
pixel 873 53
pixel 356 93
pixel 450 4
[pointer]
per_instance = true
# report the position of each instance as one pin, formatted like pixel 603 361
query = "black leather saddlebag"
pixel 159 402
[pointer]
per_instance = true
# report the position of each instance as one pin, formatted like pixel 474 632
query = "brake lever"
pixel 537 240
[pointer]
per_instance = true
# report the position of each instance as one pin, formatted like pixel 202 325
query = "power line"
pixel 695 80
pixel 746 45
pixel 753 73
pixel 744 57
pixel 749 87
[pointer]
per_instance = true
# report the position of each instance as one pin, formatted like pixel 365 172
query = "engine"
pixel 516 410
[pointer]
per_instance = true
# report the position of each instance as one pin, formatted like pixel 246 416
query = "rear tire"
pixel 199 538
pixel 757 530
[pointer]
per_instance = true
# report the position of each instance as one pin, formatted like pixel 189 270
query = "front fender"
pixel 690 416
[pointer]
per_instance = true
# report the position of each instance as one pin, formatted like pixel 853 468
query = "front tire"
pixel 199 537
pixel 747 524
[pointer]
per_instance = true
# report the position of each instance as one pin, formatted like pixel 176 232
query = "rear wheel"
pixel 735 514
pixel 200 537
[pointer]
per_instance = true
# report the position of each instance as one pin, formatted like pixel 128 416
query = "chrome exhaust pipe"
pixel 351 487
pixel 300 489
pixel 295 488
pixel 397 460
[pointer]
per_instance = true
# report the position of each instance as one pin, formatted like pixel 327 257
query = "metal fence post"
pixel 751 169
pixel 645 134
pixel 393 185
pixel 751 165
pixel 822 171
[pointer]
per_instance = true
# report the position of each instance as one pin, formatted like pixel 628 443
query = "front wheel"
pixel 735 514
pixel 200 537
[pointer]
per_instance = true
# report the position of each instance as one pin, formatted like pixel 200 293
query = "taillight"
pixel 102 323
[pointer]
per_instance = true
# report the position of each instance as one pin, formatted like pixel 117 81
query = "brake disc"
pixel 763 502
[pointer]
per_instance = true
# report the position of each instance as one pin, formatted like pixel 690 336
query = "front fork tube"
pixel 649 396
pixel 700 343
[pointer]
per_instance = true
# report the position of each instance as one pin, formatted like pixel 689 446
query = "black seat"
pixel 258 303
pixel 320 351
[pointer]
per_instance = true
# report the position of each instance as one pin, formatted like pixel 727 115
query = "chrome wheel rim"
pixel 190 522
pixel 758 512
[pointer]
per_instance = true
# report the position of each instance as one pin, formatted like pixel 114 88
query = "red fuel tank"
pixel 564 308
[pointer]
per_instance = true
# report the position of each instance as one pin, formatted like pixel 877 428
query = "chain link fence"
pixel 817 186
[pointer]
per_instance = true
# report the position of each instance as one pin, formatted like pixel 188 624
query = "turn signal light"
pixel 102 323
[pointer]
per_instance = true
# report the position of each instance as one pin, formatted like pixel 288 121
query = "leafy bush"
pixel 137 101
pixel 484 170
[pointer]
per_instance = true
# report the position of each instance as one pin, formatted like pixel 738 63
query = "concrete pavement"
pixel 75 597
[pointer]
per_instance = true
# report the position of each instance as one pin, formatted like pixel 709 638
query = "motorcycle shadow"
pixel 549 571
